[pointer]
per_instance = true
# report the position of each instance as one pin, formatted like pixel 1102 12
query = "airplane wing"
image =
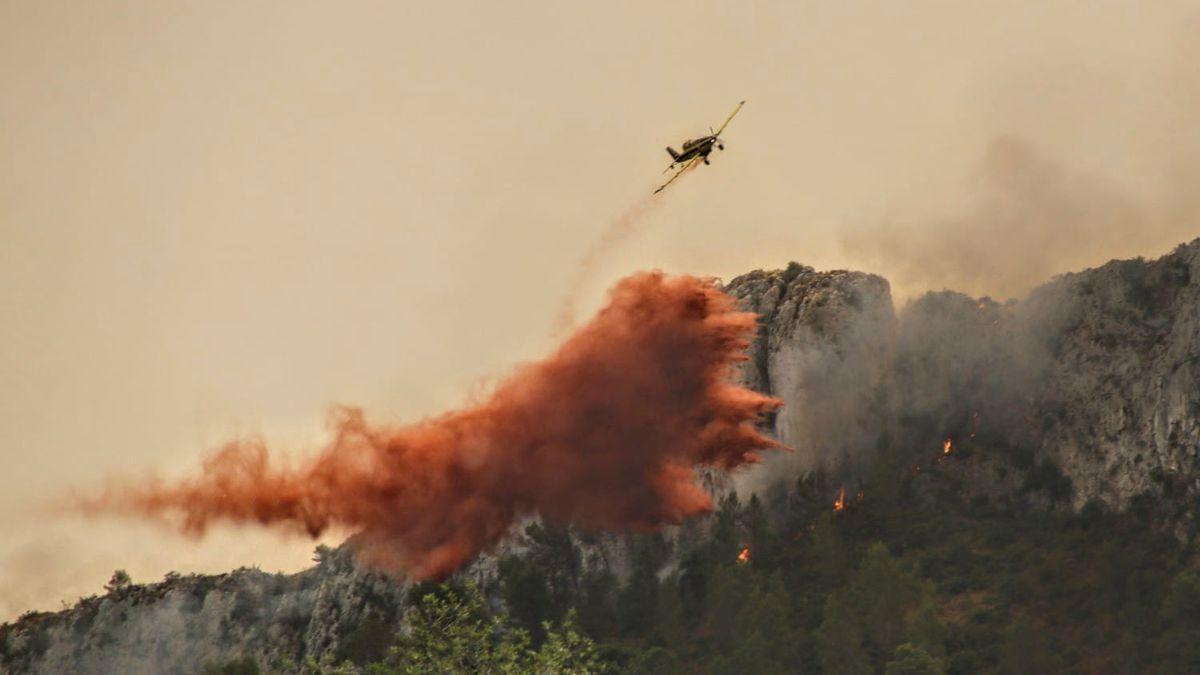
pixel 730 118
pixel 690 164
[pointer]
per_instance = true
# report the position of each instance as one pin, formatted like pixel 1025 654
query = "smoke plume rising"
pixel 621 228
pixel 604 434
pixel 1027 218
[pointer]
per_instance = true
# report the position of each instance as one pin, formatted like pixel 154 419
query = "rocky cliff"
pixel 824 346
pixel 1096 373
pixel 1086 391
pixel 186 623
pixel 1119 406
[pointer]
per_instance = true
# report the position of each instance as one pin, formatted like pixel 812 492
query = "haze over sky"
pixel 224 218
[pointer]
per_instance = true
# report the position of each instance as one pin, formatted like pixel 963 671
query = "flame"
pixel 841 500
pixel 743 556
pixel 947 447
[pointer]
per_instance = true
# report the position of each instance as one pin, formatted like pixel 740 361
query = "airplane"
pixel 696 149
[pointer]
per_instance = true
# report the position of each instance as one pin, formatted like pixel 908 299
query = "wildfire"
pixel 841 500
pixel 743 556
pixel 947 447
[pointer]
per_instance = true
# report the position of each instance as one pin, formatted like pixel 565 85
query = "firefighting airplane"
pixel 696 149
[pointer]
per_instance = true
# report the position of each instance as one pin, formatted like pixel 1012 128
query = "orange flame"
pixel 947 447
pixel 743 556
pixel 841 500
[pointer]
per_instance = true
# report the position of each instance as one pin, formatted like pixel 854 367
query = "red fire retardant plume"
pixel 604 434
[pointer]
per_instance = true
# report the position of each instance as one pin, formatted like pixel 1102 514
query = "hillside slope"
pixel 1084 392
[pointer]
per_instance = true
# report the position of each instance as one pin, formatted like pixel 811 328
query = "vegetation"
pixel 904 579
pixel 119 581
pixel 451 631
pixel 900 581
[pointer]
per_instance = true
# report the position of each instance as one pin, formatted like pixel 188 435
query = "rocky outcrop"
pixel 824 347
pixel 1120 406
pixel 1097 372
pixel 1092 383
pixel 186 623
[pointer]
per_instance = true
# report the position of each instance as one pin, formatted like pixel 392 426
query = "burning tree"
pixel 840 504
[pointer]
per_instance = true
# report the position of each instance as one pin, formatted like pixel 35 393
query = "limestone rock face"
pixel 824 347
pixel 1120 406
pixel 1096 373
pixel 182 624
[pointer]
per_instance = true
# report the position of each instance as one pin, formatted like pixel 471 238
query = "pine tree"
pixel 840 640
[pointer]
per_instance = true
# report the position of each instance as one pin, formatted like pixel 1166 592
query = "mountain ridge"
pixel 1084 390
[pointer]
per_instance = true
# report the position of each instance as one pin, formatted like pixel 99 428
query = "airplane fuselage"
pixel 698 146
pixel 696 149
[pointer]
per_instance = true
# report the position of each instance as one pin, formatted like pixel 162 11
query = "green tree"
pixel 597 603
pixel 910 659
pixel 322 554
pixel 1183 600
pixel 753 655
pixel 840 640
pixel 552 549
pixel 566 651
pixel 1181 616
pixel 884 594
pixel 763 638
pixel 881 504
pixel 244 665
pixel 541 584
pixel 527 593
pixel 729 587
pixel 637 602
pixel 725 536
pixel 885 605
pixel 669 623
pixel 119 581
pixel 831 554
pixel 1026 650
pixel 655 661
pixel 809 500
pixel 923 628
pixel 450 632
pixel 762 541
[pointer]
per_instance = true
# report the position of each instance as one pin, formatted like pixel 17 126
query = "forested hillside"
pixel 974 487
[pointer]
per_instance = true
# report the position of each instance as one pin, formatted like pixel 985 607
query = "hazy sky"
pixel 223 218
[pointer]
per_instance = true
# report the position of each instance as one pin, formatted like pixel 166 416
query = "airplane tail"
pixel 674 155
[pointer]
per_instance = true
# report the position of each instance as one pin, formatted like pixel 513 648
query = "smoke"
pixel 604 434
pixel 859 378
pixel 1105 167
pixel 1027 218
pixel 826 350
pixel 618 231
